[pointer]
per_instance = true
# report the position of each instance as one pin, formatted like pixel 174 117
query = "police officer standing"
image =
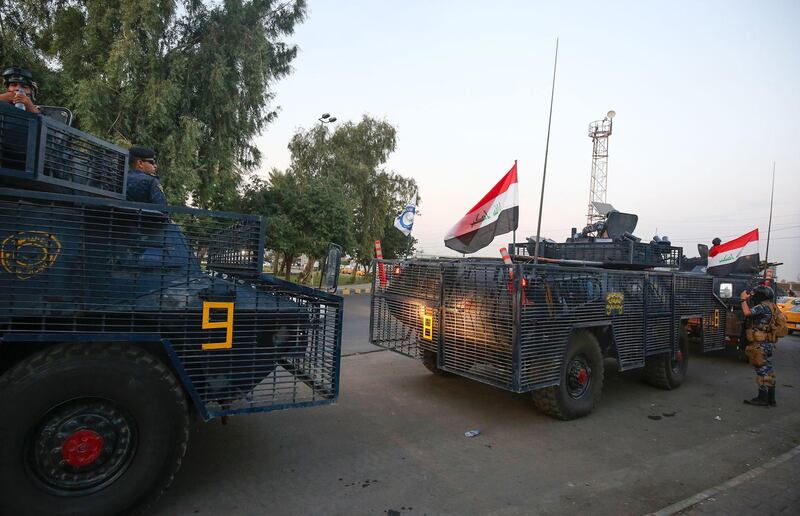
pixel 759 342
pixel 143 183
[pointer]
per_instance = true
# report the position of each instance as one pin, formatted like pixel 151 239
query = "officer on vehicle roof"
pixel 20 88
pixel 759 345
pixel 143 183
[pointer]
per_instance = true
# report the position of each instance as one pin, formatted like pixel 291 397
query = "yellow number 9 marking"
pixel 227 324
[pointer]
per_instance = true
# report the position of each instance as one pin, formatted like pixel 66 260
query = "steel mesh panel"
pixel 76 266
pixel 640 312
pixel 478 323
pixel 82 161
pixel 17 135
pixel 622 253
pixel 557 299
pixel 694 298
pixel 403 293
pixel 659 334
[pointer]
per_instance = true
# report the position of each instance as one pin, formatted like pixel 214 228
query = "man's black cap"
pixel 142 153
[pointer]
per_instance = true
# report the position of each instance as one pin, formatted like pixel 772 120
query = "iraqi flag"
pixel 497 213
pixel 737 256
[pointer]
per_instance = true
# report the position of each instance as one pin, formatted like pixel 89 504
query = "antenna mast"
pixel 599 131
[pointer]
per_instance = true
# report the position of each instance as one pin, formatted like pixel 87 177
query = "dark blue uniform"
pixel 761 352
pixel 145 188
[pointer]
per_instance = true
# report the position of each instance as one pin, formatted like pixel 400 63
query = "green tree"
pixel 302 217
pixel 354 155
pixel 192 79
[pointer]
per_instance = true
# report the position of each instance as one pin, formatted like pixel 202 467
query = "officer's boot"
pixel 760 400
pixel 771 397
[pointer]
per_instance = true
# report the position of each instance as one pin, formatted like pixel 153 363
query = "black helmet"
pixel 21 76
pixel 716 241
pixel 762 293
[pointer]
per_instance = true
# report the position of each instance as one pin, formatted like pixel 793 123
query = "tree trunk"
pixel 305 277
pixel 288 258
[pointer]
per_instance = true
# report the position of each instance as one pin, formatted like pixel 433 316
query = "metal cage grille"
pixel 81 161
pixel 188 280
pixel 621 253
pixel 478 322
pixel 18 132
pixel 41 153
pixel 406 296
pixel 509 326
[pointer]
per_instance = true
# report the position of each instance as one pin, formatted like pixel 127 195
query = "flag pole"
pixel 769 227
pixel 514 231
pixel 546 150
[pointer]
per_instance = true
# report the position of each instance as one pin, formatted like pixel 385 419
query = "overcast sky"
pixel 707 96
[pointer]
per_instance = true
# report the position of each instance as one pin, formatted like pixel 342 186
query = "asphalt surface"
pixel 394 444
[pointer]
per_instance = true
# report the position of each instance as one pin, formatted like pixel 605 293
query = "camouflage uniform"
pixel 760 353
pixel 144 188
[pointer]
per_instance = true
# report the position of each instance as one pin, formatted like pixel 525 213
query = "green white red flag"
pixel 497 213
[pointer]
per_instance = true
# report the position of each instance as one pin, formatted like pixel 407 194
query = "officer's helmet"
pixel 15 74
pixel 762 293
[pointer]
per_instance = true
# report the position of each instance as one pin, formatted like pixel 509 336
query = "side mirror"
pixel 60 114
pixel 702 249
pixel 330 269
pixel 726 290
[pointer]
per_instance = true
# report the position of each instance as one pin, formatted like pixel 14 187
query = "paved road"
pixel 394 444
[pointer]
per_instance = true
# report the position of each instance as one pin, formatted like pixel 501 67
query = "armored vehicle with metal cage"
pixel 728 287
pixel 546 326
pixel 116 317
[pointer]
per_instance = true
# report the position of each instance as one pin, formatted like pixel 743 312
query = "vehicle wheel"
pixel 664 372
pixel 429 361
pixel 89 429
pixel 581 381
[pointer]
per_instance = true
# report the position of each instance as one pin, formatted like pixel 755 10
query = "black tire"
pixel 581 381
pixel 89 429
pixel 664 372
pixel 429 360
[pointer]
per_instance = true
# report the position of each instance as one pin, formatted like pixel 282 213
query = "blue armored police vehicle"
pixel 120 320
pixel 545 326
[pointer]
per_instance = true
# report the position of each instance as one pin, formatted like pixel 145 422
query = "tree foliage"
pixel 302 218
pixel 192 79
pixel 354 155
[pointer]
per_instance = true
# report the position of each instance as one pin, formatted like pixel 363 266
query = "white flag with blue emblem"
pixel 405 221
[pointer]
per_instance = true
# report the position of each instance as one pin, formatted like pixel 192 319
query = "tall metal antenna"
pixel 599 131
pixel 544 172
pixel 769 228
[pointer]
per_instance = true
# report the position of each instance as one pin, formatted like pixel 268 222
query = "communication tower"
pixel 599 131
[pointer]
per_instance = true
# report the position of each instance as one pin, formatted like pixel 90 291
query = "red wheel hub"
pixel 82 448
pixel 583 376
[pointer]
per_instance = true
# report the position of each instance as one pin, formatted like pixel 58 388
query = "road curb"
pixel 709 493
pixel 355 290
